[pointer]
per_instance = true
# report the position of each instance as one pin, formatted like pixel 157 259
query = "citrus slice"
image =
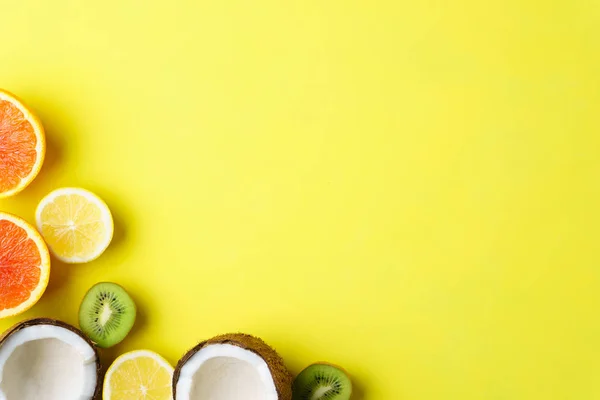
pixel 22 145
pixel 24 266
pixel 139 375
pixel 76 224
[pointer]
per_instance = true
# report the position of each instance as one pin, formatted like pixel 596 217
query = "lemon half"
pixel 139 375
pixel 75 223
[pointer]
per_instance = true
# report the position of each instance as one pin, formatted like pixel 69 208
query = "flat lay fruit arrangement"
pixel 47 359
pixel 391 200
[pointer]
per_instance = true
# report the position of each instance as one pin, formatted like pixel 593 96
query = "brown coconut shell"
pixel 281 376
pixel 48 321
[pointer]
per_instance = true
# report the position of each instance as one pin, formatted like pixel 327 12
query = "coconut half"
pixel 45 359
pixel 232 367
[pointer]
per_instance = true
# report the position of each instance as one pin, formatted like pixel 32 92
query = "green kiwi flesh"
pixel 322 382
pixel 107 314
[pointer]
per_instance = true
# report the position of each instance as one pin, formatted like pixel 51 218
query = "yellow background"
pixel 410 189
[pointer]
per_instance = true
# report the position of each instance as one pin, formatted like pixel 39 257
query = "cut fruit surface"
pixel 232 367
pixel 45 359
pixel 22 145
pixel 139 375
pixel 24 266
pixel 322 382
pixel 76 224
pixel 107 314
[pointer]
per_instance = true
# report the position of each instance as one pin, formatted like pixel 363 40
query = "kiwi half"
pixel 322 382
pixel 107 314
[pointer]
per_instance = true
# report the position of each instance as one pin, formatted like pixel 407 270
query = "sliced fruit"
pixel 76 224
pixel 45 359
pixel 232 367
pixel 139 375
pixel 322 382
pixel 107 314
pixel 24 265
pixel 22 145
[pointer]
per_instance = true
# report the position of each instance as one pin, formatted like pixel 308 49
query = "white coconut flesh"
pixel 225 372
pixel 47 362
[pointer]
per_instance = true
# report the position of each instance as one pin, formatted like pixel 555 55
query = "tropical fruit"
pixel 107 314
pixel 45 359
pixel 322 382
pixel 232 367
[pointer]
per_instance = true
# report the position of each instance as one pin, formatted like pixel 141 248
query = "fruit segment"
pixel 139 375
pixel 22 145
pixel 46 359
pixel 322 382
pixel 24 266
pixel 107 314
pixel 76 224
pixel 232 367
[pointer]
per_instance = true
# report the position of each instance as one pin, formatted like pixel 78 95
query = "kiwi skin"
pixel 281 376
pixel 89 314
pixel 47 321
pixel 307 378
